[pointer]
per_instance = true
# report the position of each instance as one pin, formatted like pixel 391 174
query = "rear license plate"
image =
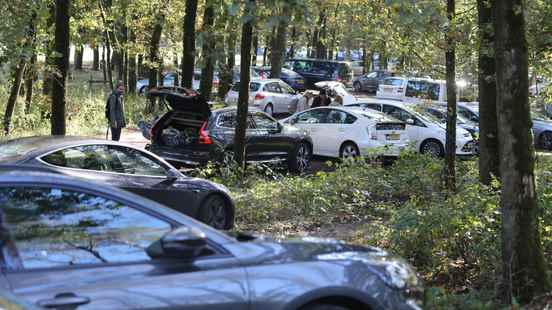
pixel 393 136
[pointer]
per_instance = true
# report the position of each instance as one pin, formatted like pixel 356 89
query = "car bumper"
pixel 467 148
pixel 188 158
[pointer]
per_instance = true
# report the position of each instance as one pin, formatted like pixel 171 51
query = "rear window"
pixel 423 90
pixel 252 86
pixel 393 82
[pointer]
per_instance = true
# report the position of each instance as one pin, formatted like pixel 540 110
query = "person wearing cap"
pixel 322 100
pixel 115 111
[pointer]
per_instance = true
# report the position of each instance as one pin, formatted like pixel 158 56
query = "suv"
pixel 318 70
pixel 191 134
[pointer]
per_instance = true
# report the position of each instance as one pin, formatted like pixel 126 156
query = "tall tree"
pixel 523 267
pixel 488 135
pixel 96 58
pixel 450 58
pixel 79 55
pixel 245 75
pixel 17 74
pixel 47 80
pixel 61 62
pixel 208 50
pixel 154 59
pixel 188 42
pixel 279 49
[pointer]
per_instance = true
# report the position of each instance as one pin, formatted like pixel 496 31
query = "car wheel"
pixel 299 162
pixel 432 147
pixel 545 140
pixel 349 150
pixel 269 109
pixel 215 213
pixel 357 87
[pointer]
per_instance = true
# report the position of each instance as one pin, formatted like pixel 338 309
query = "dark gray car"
pixel 72 243
pixel 370 82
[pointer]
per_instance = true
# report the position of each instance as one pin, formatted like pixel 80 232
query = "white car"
pixel 391 88
pixel 269 95
pixel 351 132
pixel 426 132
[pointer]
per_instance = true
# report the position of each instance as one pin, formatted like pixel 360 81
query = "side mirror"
pixel 183 242
pixel 410 121
pixel 172 175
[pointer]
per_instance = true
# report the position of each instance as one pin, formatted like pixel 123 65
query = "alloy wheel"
pixel 303 157
pixel 432 148
pixel 546 140
pixel 216 213
pixel 349 151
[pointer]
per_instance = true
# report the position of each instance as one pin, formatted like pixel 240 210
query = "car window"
pixel 423 90
pixel 52 227
pixel 264 122
pixel 253 86
pixel 373 106
pixel 230 120
pixel 317 116
pixel 339 117
pixel 372 75
pixel 468 114
pixel 393 82
pixel 302 66
pixel 401 114
pixel 107 158
pixel 286 89
pixel 272 88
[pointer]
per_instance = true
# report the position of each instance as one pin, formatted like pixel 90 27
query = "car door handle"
pixel 64 301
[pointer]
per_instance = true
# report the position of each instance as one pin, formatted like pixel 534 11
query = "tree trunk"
pixel 488 136
pixel 29 81
pixel 176 75
pixel 154 60
pixel 131 73
pixel 47 80
pixel 104 64
pixel 79 54
pixel 255 47
pixel 227 74
pixel 61 62
pixel 107 42
pixel 293 42
pixel 279 52
pixel 188 41
pixel 321 51
pixel 140 66
pixel 14 92
pixel 450 58
pixel 243 97
pixel 523 267
pixel 208 50
pixel 96 58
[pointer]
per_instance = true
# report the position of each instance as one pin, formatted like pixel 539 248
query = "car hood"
pixel 183 100
pixel 542 123
pixel 263 250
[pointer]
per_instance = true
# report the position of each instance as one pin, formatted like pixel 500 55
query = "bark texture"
pixel 243 97
pixel 523 267
pixel 17 75
pixel 188 57
pixel 488 136
pixel 450 57
pixel 208 50
pixel 61 47
pixel 279 52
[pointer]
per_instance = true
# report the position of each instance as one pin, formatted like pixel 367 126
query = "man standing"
pixel 115 111
pixel 322 100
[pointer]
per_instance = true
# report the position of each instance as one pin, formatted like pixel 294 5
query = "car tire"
pixel 545 140
pixel 432 147
pixel 143 90
pixel 269 109
pixel 299 159
pixel 348 150
pixel 357 87
pixel 215 212
pixel 319 306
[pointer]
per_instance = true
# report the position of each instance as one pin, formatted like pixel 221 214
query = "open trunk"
pixel 180 135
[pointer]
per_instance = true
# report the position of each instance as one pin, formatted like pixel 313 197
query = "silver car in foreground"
pixel 70 244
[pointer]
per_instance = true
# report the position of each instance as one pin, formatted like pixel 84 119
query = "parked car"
pixel 358 67
pixel 351 132
pixel 236 74
pixel 126 167
pixel 542 128
pixel 168 80
pixel 191 134
pixel 69 243
pixel 370 82
pixel 415 90
pixel 317 70
pixel 426 132
pixel 269 95
pixel 391 88
pixel 293 79
pixel 441 114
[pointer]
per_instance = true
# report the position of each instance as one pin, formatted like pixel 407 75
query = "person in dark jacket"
pixel 116 111
pixel 322 100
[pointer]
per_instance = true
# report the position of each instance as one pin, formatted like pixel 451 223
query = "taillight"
pixel 259 96
pixel 204 135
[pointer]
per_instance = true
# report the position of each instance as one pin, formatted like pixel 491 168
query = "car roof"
pixel 11 175
pixel 319 60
